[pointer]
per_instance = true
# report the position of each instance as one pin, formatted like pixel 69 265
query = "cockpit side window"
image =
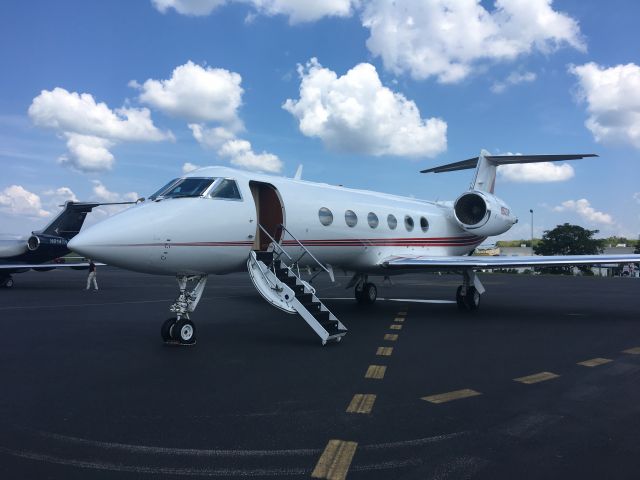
pixel 187 187
pixel 165 187
pixel 225 188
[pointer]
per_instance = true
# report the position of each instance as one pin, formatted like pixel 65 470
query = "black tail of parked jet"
pixel 68 222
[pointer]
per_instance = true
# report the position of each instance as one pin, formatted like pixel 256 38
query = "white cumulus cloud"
pixel 60 195
pixel 91 128
pixel 536 172
pixel 297 10
pixel 584 209
pixel 356 113
pixel 189 167
pixel 196 93
pixel 240 153
pixel 448 39
pixel 103 194
pixel 612 96
pixel 515 78
pixel 18 201
pixel 205 96
pixel 237 151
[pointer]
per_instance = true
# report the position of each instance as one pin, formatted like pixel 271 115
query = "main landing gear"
pixel 468 294
pixel 365 292
pixel 6 282
pixel 180 330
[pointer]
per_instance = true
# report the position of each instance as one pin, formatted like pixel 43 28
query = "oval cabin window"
pixel 351 218
pixel 408 223
pixel 424 224
pixel 325 216
pixel 372 218
pixel 393 223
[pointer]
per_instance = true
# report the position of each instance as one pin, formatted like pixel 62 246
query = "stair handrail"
pixel 306 251
pixel 275 243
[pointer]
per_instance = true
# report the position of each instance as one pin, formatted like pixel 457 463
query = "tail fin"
pixel 486 166
pixel 68 222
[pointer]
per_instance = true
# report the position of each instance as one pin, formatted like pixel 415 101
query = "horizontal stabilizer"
pixel 505 160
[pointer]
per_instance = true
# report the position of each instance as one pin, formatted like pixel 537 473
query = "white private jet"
pixel 218 220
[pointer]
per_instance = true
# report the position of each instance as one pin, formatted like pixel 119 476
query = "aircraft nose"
pixel 108 241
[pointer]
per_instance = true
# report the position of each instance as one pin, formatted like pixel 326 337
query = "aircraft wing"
pixel 478 262
pixel 44 266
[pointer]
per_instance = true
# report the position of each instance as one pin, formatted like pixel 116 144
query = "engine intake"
pixel 33 243
pixel 483 214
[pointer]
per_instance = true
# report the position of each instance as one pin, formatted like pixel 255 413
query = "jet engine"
pixel 33 243
pixel 483 214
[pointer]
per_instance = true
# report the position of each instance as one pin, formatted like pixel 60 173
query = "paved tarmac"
pixel 90 391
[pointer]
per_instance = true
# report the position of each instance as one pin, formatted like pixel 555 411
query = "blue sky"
pixel 557 77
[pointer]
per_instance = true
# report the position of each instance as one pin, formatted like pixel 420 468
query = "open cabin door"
pixel 269 212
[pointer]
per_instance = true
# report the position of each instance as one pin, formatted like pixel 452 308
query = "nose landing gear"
pixel 180 329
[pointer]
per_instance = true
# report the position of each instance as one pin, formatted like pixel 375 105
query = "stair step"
pixel 313 306
pixel 305 298
pixel 265 257
pixel 321 316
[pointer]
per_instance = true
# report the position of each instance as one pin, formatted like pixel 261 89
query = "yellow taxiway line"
pixel 536 377
pixel 361 403
pixel 449 396
pixel 335 461
pixel 594 362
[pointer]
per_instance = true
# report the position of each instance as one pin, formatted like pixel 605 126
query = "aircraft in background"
pixel 218 220
pixel 23 254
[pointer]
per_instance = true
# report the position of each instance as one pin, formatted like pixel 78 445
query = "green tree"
pixel 568 239
pixel 637 250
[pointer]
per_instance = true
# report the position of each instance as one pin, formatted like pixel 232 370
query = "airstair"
pixel 276 276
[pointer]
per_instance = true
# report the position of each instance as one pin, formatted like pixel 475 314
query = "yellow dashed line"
pixel 361 403
pixel 632 351
pixel 594 362
pixel 384 351
pixel 335 461
pixel 402 313
pixel 395 326
pixel 537 377
pixel 375 371
pixel 449 396
pixel 398 319
pixel 392 337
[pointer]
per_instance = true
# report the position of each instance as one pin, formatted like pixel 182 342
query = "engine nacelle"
pixel 483 214
pixel 33 243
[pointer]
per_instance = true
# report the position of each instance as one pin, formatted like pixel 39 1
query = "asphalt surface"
pixel 90 391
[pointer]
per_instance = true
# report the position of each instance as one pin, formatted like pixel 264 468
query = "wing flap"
pixel 422 262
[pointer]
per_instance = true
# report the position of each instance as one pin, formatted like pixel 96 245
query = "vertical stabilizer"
pixel 485 177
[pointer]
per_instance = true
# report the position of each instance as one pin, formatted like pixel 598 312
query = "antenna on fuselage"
pixel 298 175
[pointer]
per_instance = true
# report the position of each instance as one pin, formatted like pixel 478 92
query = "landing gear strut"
pixel 180 329
pixel 468 294
pixel 365 292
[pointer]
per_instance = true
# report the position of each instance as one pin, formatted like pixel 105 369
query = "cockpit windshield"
pixel 184 187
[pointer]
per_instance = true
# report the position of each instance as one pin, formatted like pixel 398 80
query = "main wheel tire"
pixel 165 330
pixel 8 283
pixel 184 331
pixel 462 305
pixel 369 293
pixel 472 298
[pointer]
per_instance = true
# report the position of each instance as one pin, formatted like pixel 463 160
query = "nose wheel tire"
pixel 8 282
pixel 176 331
pixel 184 331
pixel 165 330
